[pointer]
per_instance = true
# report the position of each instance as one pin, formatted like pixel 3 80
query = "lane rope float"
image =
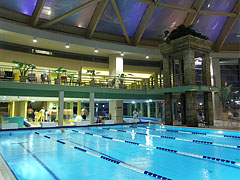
pixel 203 157
pixel 193 133
pixel 178 139
pixel 107 158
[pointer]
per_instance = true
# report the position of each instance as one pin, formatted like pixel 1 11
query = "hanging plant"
pixel 180 31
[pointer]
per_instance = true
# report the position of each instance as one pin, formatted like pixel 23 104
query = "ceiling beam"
pixel 227 27
pixel 95 18
pixel 189 10
pixel 197 5
pixel 37 11
pixel 144 22
pixel 121 21
pixel 178 8
pixel 231 47
pixel 217 13
pixel 69 13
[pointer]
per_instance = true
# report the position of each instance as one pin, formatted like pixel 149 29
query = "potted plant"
pixel 180 31
pixel 71 77
pixel 92 74
pixel 59 72
pixel 118 81
pixel 23 68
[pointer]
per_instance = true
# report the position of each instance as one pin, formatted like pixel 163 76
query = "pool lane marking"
pixel 35 157
pixel 193 133
pixel 93 150
pixel 108 159
pixel 165 149
pixel 178 139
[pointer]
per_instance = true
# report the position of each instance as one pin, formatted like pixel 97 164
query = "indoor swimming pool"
pixel 122 152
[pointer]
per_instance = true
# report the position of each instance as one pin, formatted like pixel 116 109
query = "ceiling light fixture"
pixel 34 39
pixel 147 57
pixel 96 50
pixel 67 45
pixel 122 53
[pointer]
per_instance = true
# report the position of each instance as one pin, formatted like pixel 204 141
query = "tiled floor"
pixel 5 172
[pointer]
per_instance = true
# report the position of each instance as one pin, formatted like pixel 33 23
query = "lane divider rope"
pixel 178 139
pixel 223 161
pixel 194 133
pixel 107 158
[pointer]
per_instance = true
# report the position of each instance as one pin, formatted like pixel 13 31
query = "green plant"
pixel 59 72
pixel 92 73
pixel 225 95
pixel 71 77
pixel 180 31
pixel 122 76
pixel 23 67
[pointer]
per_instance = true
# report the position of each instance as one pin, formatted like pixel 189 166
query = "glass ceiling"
pixel 211 25
pixel 234 36
pixel 22 6
pixel 131 12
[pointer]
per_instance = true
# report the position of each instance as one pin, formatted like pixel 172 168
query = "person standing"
pixel 42 114
pixel 30 114
pixel 135 116
pixel 84 113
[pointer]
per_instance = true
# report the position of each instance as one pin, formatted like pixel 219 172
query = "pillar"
pixel 217 105
pixel 21 109
pixel 183 108
pixel 189 67
pixel 116 110
pixel 148 110
pixel 135 106
pixel 79 107
pixel 168 109
pixel 141 109
pixel 166 72
pixel 191 108
pixel 156 80
pixel 71 107
pixel 60 107
pixel 80 76
pixel 11 109
pixel 147 84
pixel 156 110
pixel 115 68
pixel 206 71
pixel 91 108
pixel 129 107
pixel 208 107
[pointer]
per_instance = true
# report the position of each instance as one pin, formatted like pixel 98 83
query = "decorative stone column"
pixel 208 108
pixel 168 109
pixel 183 49
pixel 189 67
pixel 191 109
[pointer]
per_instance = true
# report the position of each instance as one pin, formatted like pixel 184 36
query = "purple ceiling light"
pixel 22 6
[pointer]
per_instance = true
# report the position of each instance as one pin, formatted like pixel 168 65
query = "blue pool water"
pixel 122 152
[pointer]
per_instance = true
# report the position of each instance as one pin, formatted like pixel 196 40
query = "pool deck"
pixel 5 171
